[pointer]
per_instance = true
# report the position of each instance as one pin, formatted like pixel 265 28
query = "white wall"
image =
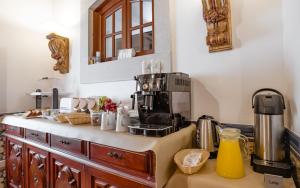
pixel 222 82
pixel 2 81
pixel 291 30
pixel 23 49
pixel 231 77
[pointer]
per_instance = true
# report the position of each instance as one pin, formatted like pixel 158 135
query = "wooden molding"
pixel 59 47
pixel 217 15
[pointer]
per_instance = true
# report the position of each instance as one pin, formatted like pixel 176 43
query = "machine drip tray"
pixel 150 130
pixel 268 167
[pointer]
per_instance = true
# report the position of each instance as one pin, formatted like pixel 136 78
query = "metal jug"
pixel 207 137
pixel 269 124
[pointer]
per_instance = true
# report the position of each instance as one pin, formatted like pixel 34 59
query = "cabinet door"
pixel 99 179
pixel 14 163
pixel 66 173
pixel 37 168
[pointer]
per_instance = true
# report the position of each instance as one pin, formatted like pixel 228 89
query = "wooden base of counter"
pixel 35 159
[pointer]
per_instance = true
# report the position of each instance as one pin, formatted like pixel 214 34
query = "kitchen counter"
pixel 208 178
pixel 164 147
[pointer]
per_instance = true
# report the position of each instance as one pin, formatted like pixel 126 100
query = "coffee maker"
pixel 163 102
pixel 271 155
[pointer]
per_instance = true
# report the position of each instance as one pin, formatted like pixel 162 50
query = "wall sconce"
pixel 217 15
pixel 59 47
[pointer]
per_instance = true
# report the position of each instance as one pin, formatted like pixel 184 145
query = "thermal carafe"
pixel 269 124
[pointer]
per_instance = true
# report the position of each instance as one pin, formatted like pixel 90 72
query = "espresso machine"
pixel 163 102
pixel 271 155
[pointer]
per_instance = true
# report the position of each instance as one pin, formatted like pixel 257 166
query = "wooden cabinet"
pixel 98 179
pixel 140 164
pixel 66 173
pixel 41 160
pixel 75 146
pixel 16 131
pixel 37 168
pixel 36 136
pixel 14 163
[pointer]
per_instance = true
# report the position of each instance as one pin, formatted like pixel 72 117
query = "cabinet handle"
pixel 73 181
pixel 14 166
pixel 64 142
pixel 36 180
pixel 110 154
pixel 18 154
pixel 35 134
pixel 41 166
pixel 115 155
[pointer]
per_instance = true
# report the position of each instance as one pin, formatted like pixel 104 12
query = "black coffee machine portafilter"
pixel 163 102
pixel 271 155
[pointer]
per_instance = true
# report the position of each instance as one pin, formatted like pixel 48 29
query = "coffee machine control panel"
pixel 163 82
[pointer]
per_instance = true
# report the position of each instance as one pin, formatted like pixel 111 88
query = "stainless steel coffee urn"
pixel 270 155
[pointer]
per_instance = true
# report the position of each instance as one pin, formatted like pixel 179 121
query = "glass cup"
pixel 96 118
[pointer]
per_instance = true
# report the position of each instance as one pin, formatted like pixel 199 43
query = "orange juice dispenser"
pixel 230 162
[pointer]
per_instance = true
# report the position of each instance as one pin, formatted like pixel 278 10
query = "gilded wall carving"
pixel 59 47
pixel 217 15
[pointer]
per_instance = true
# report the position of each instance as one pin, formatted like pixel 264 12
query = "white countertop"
pixel 208 178
pixel 164 147
pixel 90 133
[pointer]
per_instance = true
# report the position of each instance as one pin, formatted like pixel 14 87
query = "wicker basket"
pixel 179 157
pixel 74 118
pixel 79 120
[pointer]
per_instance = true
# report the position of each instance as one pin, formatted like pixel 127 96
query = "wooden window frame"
pixel 140 27
pixel 98 38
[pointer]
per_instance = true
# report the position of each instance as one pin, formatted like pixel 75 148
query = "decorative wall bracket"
pixel 59 47
pixel 217 15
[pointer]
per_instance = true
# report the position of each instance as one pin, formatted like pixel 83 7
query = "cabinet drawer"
pixel 16 131
pixel 36 136
pixel 100 179
pixel 121 158
pixel 68 144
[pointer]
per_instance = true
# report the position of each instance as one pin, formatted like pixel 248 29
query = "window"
pixel 123 24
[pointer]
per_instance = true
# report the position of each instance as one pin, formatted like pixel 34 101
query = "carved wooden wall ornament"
pixel 217 15
pixel 59 47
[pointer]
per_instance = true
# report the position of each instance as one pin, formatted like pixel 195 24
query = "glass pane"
pixel 147 11
pixel 118 44
pixel 118 21
pixel 135 14
pixel 135 41
pixel 109 25
pixel 147 37
pixel 108 47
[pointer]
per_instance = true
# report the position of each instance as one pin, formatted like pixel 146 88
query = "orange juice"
pixel 230 160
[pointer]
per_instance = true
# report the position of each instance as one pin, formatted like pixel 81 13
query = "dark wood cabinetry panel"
pixel 16 131
pixel 14 163
pixel 74 146
pixel 32 163
pixel 66 173
pixel 36 136
pixel 98 179
pixel 37 168
pixel 136 163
